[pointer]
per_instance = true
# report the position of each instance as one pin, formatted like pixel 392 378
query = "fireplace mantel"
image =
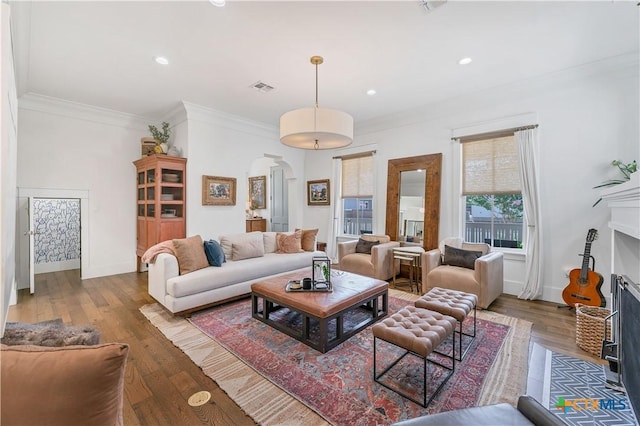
pixel 624 201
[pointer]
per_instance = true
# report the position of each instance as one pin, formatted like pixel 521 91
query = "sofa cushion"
pixel 235 272
pixel 309 239
pixel 270 244
pixel 364 246
pixel 71 385
pixel 247 250
pixel 214 253
pixel 190 254
pixel 226 241
pixel 289 242
pixel 459 257
pixel 358 263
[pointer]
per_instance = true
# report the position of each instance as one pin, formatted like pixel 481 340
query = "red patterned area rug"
pixel 339 384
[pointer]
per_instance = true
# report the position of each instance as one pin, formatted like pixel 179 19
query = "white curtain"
pixel 526 143
pixel 336 210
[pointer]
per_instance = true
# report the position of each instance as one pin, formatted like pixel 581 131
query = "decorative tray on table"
pixel 295 286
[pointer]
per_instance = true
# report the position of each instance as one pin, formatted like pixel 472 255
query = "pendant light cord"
pixel 315 111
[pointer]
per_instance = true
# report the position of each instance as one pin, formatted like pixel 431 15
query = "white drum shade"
pixel 301 128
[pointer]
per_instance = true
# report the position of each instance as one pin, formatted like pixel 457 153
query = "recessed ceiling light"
pixel 218 3
pixel 161 60
pixel 465 61
pixel 371 92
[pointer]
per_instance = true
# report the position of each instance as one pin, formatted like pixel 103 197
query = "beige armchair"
pixel 485 280
pixel 379 264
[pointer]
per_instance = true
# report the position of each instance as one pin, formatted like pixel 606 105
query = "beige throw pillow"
pixel 289 243
pixel 190 254
pixel 247 250
pixel 308 239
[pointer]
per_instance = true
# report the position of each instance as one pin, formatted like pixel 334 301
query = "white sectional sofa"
pixel 213 285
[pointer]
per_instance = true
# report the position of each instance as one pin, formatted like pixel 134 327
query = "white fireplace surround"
pixel 624 201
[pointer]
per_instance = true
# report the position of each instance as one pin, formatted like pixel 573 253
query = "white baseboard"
pixel 63 265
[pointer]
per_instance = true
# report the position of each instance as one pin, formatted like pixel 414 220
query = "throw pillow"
pixel 289 243
pixel 309 239
pixel 190 254
pixel 459 257
pixel 70 385
pixel 214 253
pixel 226 241
pixel 364 246
pixel 247 250
pixel 270 244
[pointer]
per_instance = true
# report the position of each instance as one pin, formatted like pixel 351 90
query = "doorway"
pixel 279 199
pixel 51 233
pixel 56 228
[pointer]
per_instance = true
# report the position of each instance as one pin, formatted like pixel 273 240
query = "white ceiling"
pixel 101 53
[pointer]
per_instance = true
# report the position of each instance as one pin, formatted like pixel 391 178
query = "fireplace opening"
pixel 623 350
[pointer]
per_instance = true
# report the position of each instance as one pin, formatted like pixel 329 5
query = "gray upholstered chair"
pixel 377 264
pixel 482 276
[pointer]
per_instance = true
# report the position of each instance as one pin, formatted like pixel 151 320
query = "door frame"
pixel 25 193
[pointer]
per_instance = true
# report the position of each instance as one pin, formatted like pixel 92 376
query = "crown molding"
pixel 230 121
pixel 76 110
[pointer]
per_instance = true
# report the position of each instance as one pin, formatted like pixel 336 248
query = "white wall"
pixel 223 145
pixel 66 146
pixel 588 116
pixel 8 172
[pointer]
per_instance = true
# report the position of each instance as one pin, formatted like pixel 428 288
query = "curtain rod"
pixel 359 154
pixel 496 133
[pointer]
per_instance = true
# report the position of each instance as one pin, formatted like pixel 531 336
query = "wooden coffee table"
pixel 323 312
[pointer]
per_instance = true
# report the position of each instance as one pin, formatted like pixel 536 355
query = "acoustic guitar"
pixel 584 284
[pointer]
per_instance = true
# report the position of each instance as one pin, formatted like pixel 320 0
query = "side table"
pixel 410 255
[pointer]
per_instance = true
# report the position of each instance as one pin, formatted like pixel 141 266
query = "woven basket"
pixel 590 325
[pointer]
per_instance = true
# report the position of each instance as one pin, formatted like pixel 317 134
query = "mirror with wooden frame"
pixel 426 232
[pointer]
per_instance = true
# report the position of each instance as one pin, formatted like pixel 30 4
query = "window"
pixel 357 194
pixel 491 191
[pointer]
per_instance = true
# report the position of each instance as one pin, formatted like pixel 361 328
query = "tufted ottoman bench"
pixel 418 331
pixel 457 304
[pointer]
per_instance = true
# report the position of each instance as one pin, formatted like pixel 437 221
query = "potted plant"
pixel 161 138
pixel 625 169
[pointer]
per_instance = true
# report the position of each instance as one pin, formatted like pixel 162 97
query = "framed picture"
pixel 258 192
pixel 218 191
pixel 318 192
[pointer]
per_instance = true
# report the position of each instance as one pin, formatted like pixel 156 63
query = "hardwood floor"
pixel 160 378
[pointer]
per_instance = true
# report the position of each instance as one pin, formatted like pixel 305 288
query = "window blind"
pixel 490 166
pixel 357 176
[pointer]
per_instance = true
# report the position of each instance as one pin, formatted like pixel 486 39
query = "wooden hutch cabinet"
pixel 161 200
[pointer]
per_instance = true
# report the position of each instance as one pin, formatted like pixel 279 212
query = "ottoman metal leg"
pixel 425 402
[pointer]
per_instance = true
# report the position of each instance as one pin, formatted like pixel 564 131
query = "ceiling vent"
pixel 262 87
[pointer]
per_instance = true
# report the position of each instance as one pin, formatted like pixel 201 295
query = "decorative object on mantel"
pixel 161 138
pixel 316 128
pixel 625 169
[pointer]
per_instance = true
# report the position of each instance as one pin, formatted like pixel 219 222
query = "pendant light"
pixel 316 128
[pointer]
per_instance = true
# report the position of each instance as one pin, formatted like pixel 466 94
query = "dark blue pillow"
pixel 214 253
